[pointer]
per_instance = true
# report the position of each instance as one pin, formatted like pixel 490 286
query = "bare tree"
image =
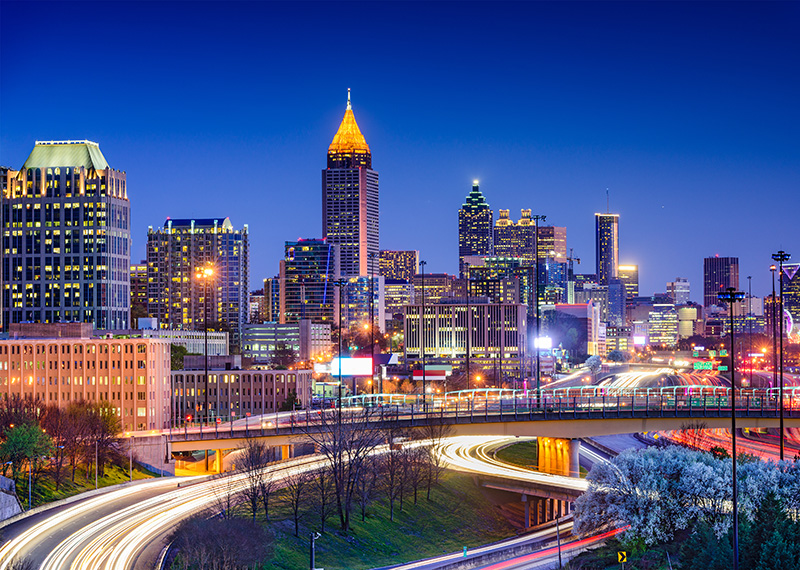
pixel 392 464
pixel 436 434
pixel 345 439
pixel 324 496
pixel 226 499
pixel 253 459
pixel 220 544
pixel 267 487
pixel 367 482
pixel 693 433
pixel 417 468
pixel 295 494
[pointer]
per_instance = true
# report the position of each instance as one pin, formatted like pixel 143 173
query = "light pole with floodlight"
pixel 780 257
pixel 205 275
pixel 731 296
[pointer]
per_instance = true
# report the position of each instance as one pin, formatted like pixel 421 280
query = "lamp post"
pixel 130 458
pixel 772 269
pixel 372 257
pixel 340 283
pixel 205 274
pixel 536 219
pixel 730 296
pixel 780 257
pixel 468 319
pixel 750 325
pixel 422 265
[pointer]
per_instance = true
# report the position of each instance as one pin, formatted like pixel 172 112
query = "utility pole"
pixel 422 265
pixel 780 257
pixel 536 219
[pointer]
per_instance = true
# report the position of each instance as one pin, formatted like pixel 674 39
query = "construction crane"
pixel 570 259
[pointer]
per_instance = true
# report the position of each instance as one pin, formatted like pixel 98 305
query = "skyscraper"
pixel 399 264
pixel 719 273
pixel 474 227
pixel 678 290
pixel 553 243
pixel 629 275
pixel 607 247
pixel 176 253
pixel 66 238
pixel 350 214
pixel 515 239
pixel 307 291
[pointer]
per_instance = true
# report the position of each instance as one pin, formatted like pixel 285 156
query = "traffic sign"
pixel 622 557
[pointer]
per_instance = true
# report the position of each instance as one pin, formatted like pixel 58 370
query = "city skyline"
pixel 684 112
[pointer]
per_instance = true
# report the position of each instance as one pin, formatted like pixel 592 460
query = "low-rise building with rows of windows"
pixel 63 364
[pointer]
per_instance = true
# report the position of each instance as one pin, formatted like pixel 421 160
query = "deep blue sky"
pixel 687 112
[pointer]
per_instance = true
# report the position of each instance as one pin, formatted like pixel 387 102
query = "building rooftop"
pixel 220 222
pixel 348 139
pixel 50 154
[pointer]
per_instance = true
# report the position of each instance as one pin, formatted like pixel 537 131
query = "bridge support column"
pixel 526 521
pixel 574 458
pixel 206 460
pixel 286 451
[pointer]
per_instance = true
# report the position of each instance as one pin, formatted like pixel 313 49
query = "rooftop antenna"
pixel 608 207
pixel 349 107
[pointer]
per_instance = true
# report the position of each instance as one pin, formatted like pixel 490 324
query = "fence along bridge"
pixel 564 414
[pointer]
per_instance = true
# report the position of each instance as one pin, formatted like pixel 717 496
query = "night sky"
pixel 686 112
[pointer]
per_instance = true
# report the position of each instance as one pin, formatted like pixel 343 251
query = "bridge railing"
pixel 496 405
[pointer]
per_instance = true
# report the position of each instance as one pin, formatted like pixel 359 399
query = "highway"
pixel 121 529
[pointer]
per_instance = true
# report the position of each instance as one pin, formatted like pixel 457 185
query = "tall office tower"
pixel 272 300
pixel 307 290
pixel 138 289
pixel 399 264
pixel 678 290
pixel 791 296
pixel 474 227
pixel 66 238
pixel 181 249
pixel 607 247
pixel 515 240
pixel 629 275
pixel 553 243
pixel 350 214
pixel 719 273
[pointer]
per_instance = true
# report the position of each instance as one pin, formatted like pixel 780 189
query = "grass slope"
pixel 457 515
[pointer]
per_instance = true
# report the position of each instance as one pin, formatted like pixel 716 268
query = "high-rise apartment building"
pixel 350 214
pixel 138 288
pixel 629 275
pixel 181 249
pixel 607 247
pixel 719 273
pixel 66 238
pixel 474 227
pixel 678 290
pixel 519 239
pixel 791 295
pixel 307 289
pixel 399 264
pixel 553 243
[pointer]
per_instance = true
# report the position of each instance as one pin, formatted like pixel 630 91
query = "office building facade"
pixel 678 291
pixel 181 249
pixel 63 364
pixel 606 247
pixel 474 227
pixel 65 219
pixel 350 200
pixel 399 264
pixel 719 273
pixel 306 281
pixel 629 275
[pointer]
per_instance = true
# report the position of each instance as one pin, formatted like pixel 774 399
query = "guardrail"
pixel 495 405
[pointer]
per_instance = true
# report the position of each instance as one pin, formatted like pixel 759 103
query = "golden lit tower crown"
pixel 349 149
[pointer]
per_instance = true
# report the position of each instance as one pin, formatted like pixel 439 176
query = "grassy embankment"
pixel 524 454
pixel 457 515
pixel 44 490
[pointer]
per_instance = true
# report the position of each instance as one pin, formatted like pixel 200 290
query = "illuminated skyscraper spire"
pixel 350 214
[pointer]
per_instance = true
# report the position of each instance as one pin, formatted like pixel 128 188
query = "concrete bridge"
pixel 555 417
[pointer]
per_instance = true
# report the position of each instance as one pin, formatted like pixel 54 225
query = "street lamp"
pixel 422 265
pixel 468 320
pixel 340 283
pixel 772 269
pixel 205 274
pixel 536 219
pixel 780 257
pixel 372 257
pixel 730 296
